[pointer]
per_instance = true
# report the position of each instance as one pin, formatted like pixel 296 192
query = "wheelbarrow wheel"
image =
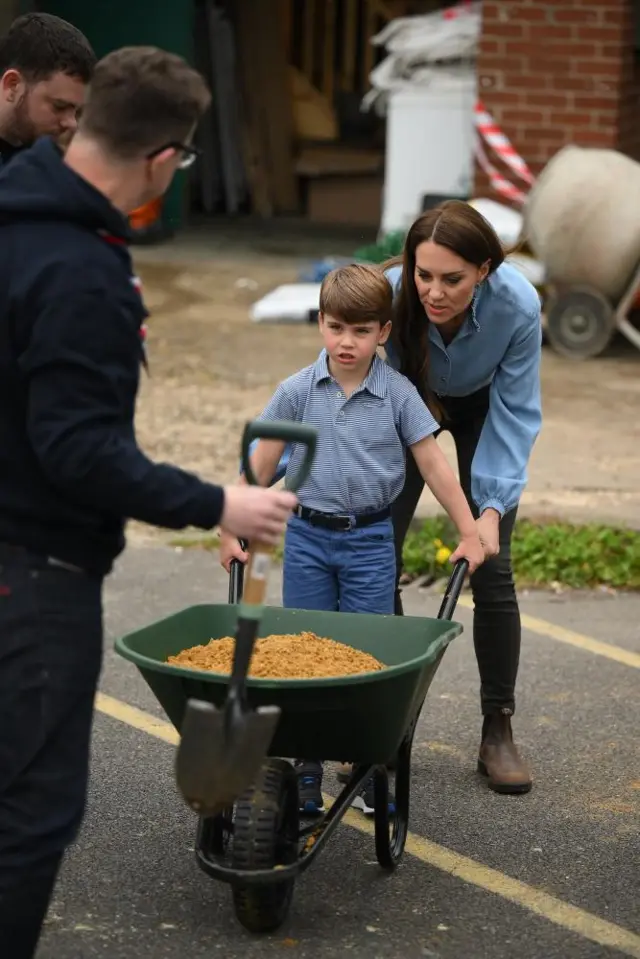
pixel 265 835
pixel 391 828
pixel 580 323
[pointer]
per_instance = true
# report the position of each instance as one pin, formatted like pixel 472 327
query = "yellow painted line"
pixel 571 918
pixel 561 635
pixel 583 923
pixel 137 718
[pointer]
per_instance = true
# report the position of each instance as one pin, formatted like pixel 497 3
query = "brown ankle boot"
pixel 499 759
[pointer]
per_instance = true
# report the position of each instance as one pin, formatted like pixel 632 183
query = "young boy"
pixel 339 545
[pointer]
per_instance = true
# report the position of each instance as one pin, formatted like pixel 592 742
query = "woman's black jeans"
pixel 496 621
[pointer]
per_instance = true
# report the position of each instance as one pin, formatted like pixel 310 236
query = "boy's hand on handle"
pixel 231 549
pixel 471 549
pixel 253 512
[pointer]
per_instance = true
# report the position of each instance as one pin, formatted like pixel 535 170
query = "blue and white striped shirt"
pixel 360 460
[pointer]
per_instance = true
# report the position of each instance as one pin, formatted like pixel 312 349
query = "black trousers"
pixel 50 659
pixel 496 621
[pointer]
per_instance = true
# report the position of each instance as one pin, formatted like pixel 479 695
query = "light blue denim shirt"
pixel 499 344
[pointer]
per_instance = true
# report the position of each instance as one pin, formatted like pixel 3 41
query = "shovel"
pixel 221 750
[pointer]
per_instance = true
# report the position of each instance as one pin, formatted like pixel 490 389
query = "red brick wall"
pixel 554 72
pixel 629 120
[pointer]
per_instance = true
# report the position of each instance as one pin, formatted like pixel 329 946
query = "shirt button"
pixel 339 395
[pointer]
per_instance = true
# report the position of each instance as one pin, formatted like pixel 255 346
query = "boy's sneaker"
pixel 365 800
pixel 310 786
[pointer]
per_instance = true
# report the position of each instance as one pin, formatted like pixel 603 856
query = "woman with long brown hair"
pixel 467 333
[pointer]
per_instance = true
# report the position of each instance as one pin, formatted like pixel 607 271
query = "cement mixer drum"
pixel 582 220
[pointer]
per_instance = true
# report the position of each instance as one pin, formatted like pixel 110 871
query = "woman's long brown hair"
pixel 457 226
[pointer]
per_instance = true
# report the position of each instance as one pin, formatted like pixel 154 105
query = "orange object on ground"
pixel 145 216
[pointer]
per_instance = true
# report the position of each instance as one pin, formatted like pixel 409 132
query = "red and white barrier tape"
pixel 498 141
pixel 499 183
pixel 489 131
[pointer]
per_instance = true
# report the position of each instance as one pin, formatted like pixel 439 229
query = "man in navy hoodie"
pixel 71 472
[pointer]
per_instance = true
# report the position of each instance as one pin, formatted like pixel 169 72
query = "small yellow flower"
pixel 438 543
pixel 443 555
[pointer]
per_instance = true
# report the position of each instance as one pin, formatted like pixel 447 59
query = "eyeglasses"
pixel 189 153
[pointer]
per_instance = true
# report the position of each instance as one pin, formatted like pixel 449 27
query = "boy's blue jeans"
pixel 351 571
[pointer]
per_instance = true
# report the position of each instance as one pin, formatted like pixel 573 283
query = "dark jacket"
pixel 8 151
pixel 71 352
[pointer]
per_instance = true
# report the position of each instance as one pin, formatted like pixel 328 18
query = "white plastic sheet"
pixel 506 222
pixel 433 50
pixel 290 303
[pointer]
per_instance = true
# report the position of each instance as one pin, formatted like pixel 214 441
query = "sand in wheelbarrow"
pixel 290 656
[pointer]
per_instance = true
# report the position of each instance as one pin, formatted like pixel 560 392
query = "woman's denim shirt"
pixel 499 344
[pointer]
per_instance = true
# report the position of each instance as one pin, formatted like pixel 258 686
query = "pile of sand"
pixel 297 656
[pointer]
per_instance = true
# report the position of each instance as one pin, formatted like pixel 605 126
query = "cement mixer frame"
pixel 580 321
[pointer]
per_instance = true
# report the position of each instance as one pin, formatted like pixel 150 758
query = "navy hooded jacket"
pixel 71 352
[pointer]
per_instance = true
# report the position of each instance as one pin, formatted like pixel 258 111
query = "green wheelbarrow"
pixel 258 844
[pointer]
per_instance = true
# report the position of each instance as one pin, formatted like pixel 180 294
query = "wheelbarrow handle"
pixel 447 608
pixel 453 590
pixel 287 432
pixel 236 577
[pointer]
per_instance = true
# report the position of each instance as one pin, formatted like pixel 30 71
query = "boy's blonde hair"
pixel 358 293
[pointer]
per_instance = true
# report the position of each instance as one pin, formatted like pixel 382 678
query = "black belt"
pixel 338 522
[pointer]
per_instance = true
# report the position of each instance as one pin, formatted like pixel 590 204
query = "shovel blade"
pixel 214 767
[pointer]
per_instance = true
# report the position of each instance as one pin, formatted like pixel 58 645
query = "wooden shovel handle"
pixel 255 583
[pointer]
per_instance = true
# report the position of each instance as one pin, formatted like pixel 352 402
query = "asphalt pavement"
pixel 551 874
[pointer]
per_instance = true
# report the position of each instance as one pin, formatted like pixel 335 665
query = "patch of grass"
pixel 391 245
pixel 544 553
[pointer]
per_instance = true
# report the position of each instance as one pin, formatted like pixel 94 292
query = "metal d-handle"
pixel 287 432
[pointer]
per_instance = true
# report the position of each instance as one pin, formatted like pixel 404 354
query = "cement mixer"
pixel 582 222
